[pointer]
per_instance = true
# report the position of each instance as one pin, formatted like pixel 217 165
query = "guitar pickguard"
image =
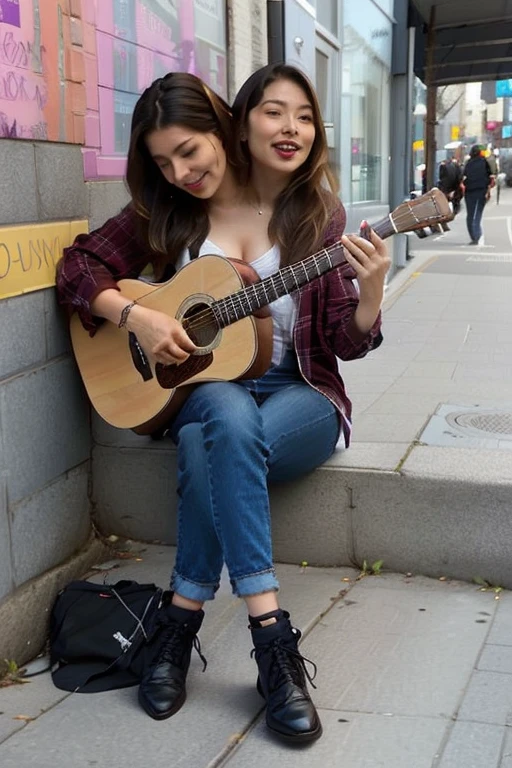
pixel 171 376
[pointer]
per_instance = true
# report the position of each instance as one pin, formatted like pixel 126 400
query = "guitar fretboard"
pixel 283 282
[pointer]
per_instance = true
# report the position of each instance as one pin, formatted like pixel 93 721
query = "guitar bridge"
pixel 140 360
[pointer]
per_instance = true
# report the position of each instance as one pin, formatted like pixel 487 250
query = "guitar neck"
pixel 286 280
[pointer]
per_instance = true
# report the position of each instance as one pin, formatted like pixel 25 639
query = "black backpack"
pixel 101 635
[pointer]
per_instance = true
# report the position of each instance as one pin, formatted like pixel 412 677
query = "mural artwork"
pixel 30 101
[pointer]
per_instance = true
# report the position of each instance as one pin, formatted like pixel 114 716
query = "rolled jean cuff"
pixel 255 583
pixel 191 589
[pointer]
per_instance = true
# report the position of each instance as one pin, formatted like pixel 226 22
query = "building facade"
pixel 346 49
pixel 70 73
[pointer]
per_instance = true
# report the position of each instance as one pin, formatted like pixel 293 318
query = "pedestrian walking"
pixel 450 179
pixel 477 184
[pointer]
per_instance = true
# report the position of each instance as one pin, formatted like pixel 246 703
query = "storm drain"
pixel 493 423
pixel 470 427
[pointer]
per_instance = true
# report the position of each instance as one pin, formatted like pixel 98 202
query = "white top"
pixel 283 310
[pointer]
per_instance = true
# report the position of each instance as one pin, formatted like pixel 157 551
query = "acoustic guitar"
pixel 221 313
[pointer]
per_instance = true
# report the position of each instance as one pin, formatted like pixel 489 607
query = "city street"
pixel 412 672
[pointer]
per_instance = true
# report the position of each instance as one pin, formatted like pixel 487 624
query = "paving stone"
pixel 506 760
pixel 501 630
pixel 412 656
pixel 349 741
pixel 388 428
pixel 488 699
pixel 496 658
pixel 472 745
pixel 30 699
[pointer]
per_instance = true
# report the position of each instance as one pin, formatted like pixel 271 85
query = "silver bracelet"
pixel 124 314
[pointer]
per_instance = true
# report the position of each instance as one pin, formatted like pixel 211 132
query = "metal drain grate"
pixel 490 422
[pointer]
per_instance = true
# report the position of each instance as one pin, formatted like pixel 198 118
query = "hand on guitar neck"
pixel 368 256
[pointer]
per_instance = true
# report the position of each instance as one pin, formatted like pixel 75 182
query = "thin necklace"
pixel 260 212
pixel 257 208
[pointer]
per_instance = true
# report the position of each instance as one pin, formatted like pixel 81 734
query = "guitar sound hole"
pixel 200 324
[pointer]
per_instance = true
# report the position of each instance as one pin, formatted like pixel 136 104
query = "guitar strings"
pixel 203 318
pixel 401 220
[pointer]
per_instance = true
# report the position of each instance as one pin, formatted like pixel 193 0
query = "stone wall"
pixel 47 196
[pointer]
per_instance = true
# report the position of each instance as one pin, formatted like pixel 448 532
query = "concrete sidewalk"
pixel 412 673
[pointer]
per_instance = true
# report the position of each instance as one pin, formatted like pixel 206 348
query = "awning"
pixel 472 40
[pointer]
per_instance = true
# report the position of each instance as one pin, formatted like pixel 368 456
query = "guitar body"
pixel 117 389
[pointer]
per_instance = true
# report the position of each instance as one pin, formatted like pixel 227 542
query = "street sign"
pixel 503 88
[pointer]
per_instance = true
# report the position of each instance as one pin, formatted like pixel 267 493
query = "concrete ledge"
pixel 134 496
pixel 24 613
pixel 427 510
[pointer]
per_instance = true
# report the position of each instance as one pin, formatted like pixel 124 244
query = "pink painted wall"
pixel 42 95
pixel 72 70
pixel 138 41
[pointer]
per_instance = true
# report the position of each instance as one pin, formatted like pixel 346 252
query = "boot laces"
pixel 287 664
pixel 175 642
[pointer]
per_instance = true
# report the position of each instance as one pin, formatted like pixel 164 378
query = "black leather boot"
pixel 162 690
pixel 282 680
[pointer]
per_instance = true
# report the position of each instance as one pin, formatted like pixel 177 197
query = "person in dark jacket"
pixel 450 177
pixel 476 180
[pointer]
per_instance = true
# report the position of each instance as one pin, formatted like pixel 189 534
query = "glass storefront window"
pixel 326 68
pixel 322 85
pixel 327 14
pixel 366 93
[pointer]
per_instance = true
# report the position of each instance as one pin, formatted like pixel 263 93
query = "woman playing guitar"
pixel 253 186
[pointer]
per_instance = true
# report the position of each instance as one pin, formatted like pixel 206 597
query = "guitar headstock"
pixel 425 211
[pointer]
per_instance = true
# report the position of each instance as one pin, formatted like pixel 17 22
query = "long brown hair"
pixel 168 218
pixel 302 209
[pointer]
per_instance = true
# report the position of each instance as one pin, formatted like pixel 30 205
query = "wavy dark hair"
pixel 169 219
pixel 303 208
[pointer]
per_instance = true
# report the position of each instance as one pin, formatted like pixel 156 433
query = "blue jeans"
pixel 232 438
pixel 475 204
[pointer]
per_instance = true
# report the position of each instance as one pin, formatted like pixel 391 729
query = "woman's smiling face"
pixel 281 128
pixel 194 162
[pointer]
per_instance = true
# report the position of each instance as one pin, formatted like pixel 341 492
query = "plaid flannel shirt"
pixel 323 331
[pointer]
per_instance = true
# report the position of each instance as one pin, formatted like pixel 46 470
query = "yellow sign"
pixel 455 132
pixel 29 254
pixel 417 145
